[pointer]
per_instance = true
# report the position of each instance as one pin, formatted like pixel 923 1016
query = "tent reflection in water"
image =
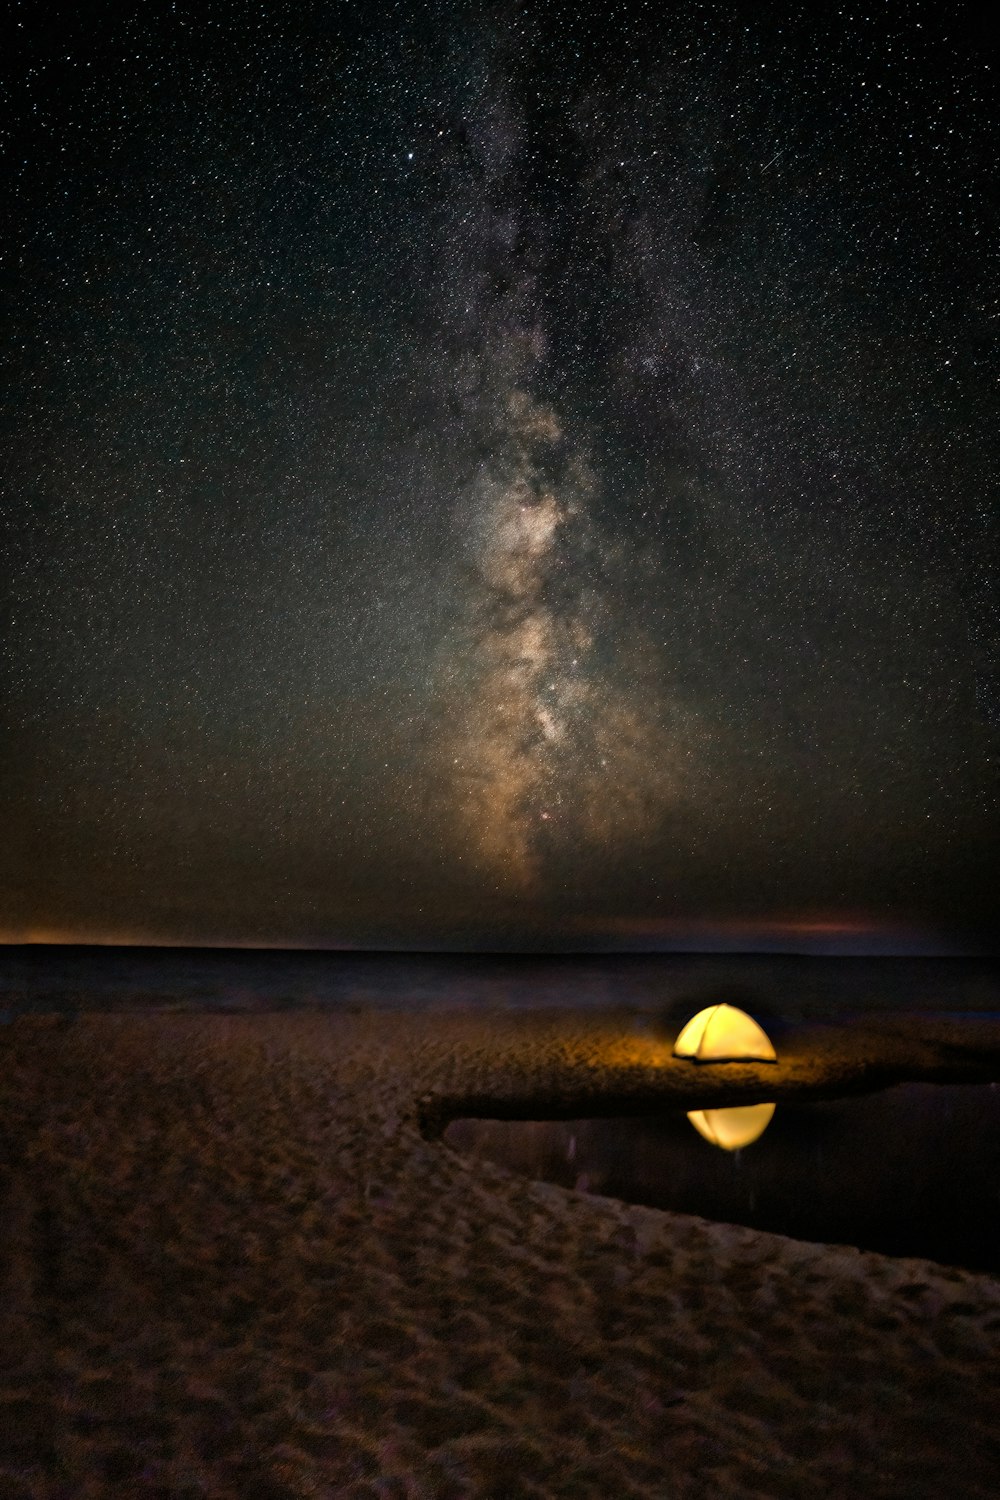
pixel 732 1128
pixel 723 1033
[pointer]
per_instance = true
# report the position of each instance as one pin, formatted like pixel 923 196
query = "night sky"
pixel 499 475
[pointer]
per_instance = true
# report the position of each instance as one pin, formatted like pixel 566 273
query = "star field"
pixel 498 473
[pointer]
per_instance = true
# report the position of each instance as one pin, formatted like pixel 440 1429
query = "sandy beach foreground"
pixel 237 1260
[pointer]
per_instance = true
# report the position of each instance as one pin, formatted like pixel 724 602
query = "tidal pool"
pixel 913 1170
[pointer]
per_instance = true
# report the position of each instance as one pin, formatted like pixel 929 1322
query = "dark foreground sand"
pixel 236 1262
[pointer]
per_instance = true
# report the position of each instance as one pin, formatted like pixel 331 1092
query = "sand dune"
pixel 237 1262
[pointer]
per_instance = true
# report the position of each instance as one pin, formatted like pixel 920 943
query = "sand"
pixel 236 1261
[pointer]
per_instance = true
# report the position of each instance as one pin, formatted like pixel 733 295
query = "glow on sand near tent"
pixel 723 1033
pixel 732 1128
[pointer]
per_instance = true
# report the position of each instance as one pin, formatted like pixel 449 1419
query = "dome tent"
pixel 723 1033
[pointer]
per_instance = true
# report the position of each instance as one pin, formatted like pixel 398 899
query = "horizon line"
pixel 795 946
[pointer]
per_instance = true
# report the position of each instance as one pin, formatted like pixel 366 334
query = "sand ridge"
pixel 234 1264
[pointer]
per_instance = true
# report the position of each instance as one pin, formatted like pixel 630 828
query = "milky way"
pixel 544 751
pixel 500 474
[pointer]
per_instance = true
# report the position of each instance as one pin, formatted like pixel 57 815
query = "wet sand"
pixel 237 1260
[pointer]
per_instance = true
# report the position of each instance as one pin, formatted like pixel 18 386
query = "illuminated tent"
pixel 732 1128
pixel 722 1033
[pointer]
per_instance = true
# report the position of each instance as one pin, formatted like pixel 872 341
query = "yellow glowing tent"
pixel 734 1127
pixel 722 1033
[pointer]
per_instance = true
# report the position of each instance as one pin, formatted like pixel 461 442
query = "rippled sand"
pixel 236 1261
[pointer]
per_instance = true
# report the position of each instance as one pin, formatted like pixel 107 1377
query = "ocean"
pixel 68 979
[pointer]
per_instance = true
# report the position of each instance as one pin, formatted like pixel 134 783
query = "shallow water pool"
pixel 913 1170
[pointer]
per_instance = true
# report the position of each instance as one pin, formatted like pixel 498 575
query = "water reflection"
pixel 733 1128
pixel 914 1170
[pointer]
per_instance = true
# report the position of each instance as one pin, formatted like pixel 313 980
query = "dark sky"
pixel 499 474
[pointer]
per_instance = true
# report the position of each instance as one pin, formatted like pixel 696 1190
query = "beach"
pixel 239 1260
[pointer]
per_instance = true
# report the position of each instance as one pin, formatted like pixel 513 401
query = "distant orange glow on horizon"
pixel 782 933
pixel 64 938
pixel 807 933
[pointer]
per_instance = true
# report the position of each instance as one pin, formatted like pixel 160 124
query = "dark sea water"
pixel 773 987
